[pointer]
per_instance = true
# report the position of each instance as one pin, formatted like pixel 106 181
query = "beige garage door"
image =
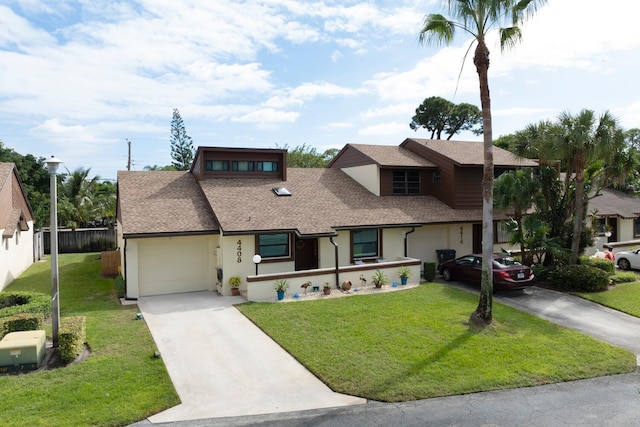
pixel 171 265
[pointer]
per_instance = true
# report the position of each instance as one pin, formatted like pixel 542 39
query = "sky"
pixel 81 79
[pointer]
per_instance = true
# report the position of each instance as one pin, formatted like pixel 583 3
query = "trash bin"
pixel 445 255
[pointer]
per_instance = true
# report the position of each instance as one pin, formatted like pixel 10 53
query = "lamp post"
pixel 52 165
pixel 256 260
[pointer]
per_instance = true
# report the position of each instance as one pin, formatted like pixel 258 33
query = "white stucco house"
pixel 16 226
pixel 373 207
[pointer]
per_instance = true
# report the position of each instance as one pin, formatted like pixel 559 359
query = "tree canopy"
pixel 439 115
pixel 306 156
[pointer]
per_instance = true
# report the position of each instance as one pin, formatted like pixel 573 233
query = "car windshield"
pixel 507 261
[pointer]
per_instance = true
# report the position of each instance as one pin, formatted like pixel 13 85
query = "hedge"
pixel 580 277
pixel 71 337
pixel 21 322
pixel 24 302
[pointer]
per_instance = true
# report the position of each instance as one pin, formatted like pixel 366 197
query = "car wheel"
pixel 624 264
pixel 446 274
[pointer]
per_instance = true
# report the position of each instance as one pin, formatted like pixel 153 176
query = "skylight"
pixel 281 191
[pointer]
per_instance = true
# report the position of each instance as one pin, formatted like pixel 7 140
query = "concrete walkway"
pixel 222 365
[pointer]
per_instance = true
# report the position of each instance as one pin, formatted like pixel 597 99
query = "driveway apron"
pixel 222 365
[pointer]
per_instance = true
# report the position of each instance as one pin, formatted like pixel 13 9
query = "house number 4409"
pixel 239 251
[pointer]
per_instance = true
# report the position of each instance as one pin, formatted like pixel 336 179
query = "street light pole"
pixel 52 165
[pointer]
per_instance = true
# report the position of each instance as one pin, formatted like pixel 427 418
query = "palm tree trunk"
pixel 483 314
pixel 579 214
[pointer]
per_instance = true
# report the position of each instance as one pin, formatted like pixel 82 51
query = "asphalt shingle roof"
pixel 321 200
pixel 162 202
pixel 470 153
pixel 613 202
pixel 392 156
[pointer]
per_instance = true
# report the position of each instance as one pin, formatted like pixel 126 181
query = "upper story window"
pixel 436 176
pixel 365 244
pixel 267 166
pixel 406 182
pixel 217 165
pixel 274 246
pixel 242 166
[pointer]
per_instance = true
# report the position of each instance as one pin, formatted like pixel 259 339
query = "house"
pixel 618 217
pixel 16 226
pixel 242 212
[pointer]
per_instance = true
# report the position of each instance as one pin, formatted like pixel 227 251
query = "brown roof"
pixel 392 156
pixel 469 153
pixel 162 202
pixel 615 203
pixel 321 200
pixel 5 171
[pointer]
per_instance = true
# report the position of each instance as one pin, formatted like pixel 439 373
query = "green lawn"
pixel 416 344
pixel 118 384
pixel 623 297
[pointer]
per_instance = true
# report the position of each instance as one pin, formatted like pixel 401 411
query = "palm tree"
pixel 78 189
pixel 477 18
pixel 515 190
pixel 584 139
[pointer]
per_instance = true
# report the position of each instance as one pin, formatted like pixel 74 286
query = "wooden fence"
pixel 110 263
pixel 82 240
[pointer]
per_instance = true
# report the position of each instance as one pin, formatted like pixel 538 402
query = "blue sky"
pixel 79 78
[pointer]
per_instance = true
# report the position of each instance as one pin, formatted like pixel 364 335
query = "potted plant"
pixel 404 272
pixel 235 282
pixel 379 279
pixel 327 288
pixel 281 285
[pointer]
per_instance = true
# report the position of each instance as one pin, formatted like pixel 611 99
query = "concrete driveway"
pixel 222 365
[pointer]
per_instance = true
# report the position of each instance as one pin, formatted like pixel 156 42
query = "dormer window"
pixel 406 182
pixel 217 165
pixel 242 166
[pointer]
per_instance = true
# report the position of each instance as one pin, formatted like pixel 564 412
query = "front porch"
pixel 260 287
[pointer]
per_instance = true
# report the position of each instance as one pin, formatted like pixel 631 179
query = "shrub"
pixel 542 273
pixel 601 263
pixel 21 322
pixel 71 337
pixel 580 277
pixel 624 277
pixel 24 302
pixel 429 271
pixel 120 286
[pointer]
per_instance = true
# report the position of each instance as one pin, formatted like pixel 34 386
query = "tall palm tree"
pixel 477 18
pixel 584 139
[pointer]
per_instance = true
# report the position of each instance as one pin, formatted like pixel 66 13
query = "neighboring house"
pixel 618 217
pixel 16 226
pixel 373 207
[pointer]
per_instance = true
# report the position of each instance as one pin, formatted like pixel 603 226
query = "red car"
pixel 507 272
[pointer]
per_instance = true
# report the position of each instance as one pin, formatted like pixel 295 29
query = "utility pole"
pixel 129 156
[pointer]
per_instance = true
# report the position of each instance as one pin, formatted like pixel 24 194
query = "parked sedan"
pixel 507 272
pixel 628 260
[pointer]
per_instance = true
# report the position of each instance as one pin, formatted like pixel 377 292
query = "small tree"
pixel 182 151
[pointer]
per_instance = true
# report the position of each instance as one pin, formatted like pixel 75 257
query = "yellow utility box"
pixel 22 350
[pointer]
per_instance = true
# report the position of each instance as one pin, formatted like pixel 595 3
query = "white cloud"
pixel 268 116
pixel 382 129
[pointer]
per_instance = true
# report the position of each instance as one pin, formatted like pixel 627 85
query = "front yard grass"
pixel 416 344
pixel 118 384
pixel 623 297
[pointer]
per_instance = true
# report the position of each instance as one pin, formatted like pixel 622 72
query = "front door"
pixel 477 239
pixel 306 254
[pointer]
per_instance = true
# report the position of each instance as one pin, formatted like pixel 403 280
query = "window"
pixel 217 165
pixel 406 182
pixel 267 166
pixel 365 243
pixel 241 166
pixel 636 227
pixel 436 176
pixel 502 231
pixel 274 245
